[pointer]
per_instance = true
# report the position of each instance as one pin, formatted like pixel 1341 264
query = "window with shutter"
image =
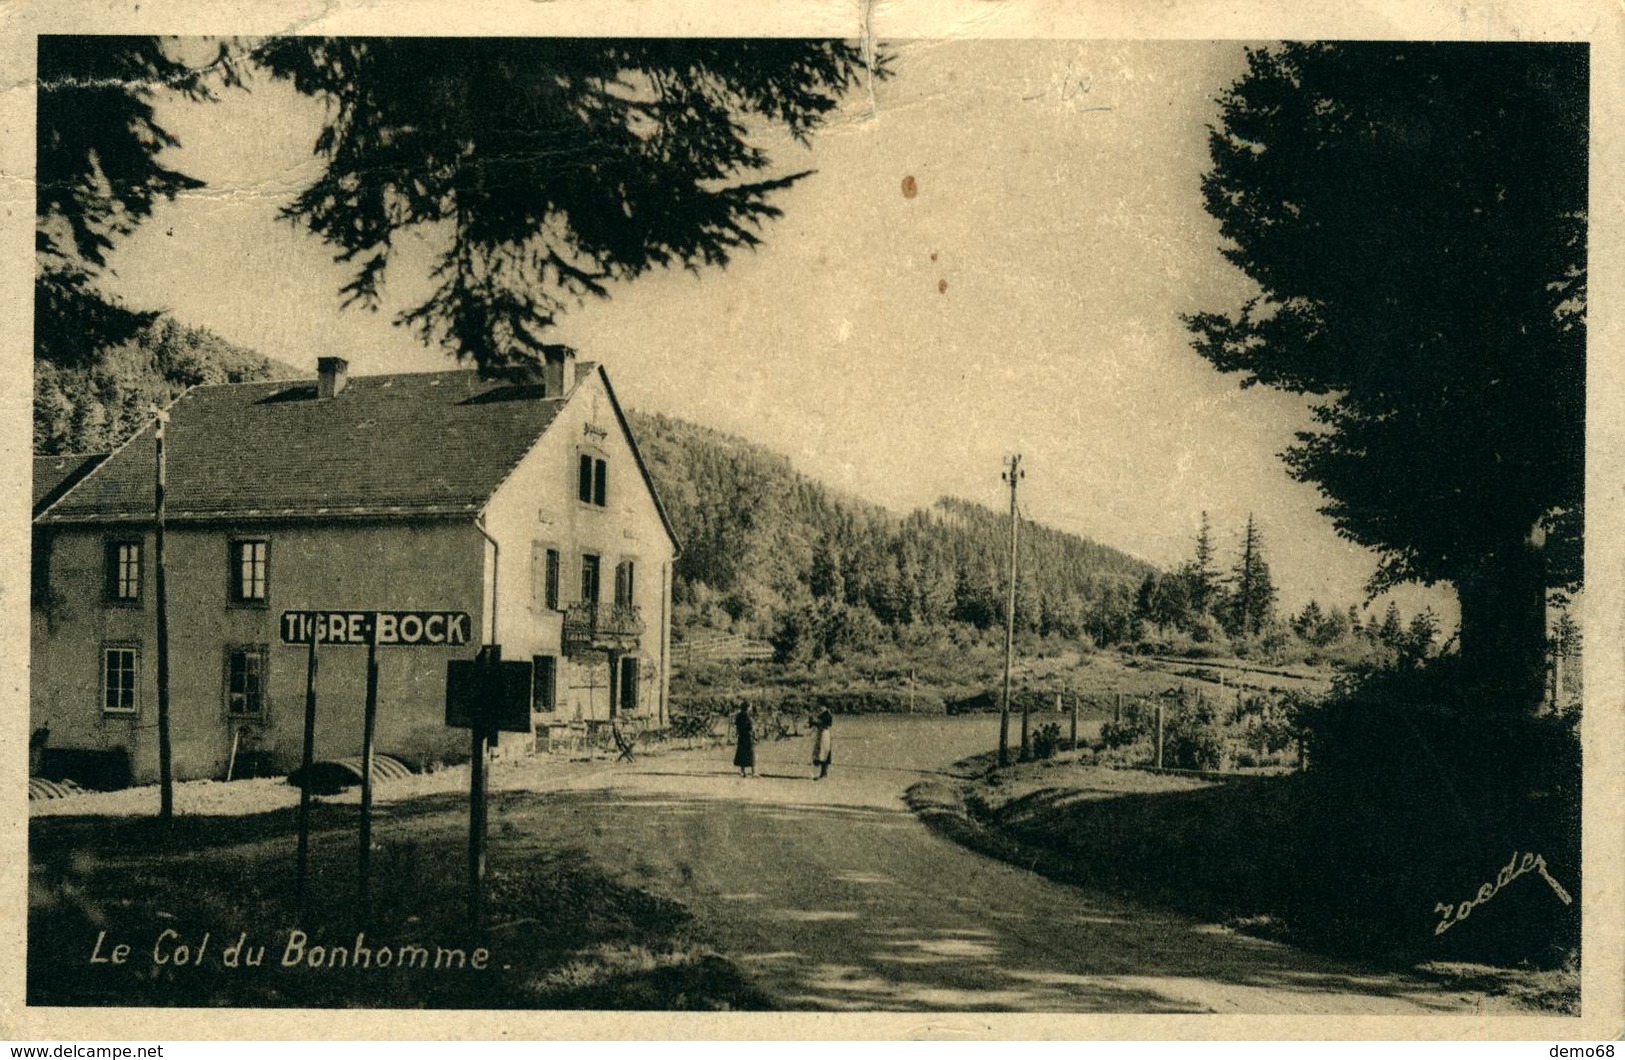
pixel 629 683
pixel 589 578
pixel 550 593
pixel 584 480
pixel 544 683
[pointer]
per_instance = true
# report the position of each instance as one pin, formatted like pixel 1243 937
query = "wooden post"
pixel 1117 710
pixel 368 723
pixel 1159 734
pixel 476 827
pixel 1026 725
pixel 489 655
pixel 166 769
pixel 1011 476
pixel 1074 718
pixel 309 760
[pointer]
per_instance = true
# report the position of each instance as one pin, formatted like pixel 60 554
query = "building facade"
pixel 524 507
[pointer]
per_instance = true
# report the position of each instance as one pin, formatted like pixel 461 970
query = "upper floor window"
pixel 544 577
pixel 123 582
pixel 245 680
pixel 624 585
pixel 250 572
pixel 119 669
pixel 591 480
pixel 589 579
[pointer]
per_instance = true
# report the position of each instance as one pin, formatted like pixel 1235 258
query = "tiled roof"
pixel 437 443
pixel 55 475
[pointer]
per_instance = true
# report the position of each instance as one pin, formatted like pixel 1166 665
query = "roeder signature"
pixel 1455 914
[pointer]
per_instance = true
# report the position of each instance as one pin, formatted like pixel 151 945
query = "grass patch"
pixel 1291 858
pixel 559 931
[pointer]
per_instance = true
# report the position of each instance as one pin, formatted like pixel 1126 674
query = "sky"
pixel 1026 298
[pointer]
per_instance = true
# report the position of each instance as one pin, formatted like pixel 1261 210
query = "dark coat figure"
pixel 821 755
pixel 745 752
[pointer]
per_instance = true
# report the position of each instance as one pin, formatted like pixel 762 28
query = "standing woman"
pixel 745 752
pixel 821 726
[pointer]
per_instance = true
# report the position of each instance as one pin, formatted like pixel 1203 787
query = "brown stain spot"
pixel 933 255
pixel 910 187
pixel 942 286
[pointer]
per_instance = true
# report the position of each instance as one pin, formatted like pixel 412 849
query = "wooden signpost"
pixel 308 760
pixel 410 629
pixel 485 696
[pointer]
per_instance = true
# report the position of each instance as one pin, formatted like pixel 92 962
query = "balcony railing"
pixel 601 627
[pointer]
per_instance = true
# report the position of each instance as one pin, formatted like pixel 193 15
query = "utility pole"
pixel 166 776
pixel 1012 475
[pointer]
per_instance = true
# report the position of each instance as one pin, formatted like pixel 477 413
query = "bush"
pixel 1192 739
pixel 1046 740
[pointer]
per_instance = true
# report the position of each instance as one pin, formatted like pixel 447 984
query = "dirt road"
pixel 832 895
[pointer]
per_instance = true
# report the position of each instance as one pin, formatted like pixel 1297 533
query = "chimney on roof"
pixel 331 375
pixel 558 370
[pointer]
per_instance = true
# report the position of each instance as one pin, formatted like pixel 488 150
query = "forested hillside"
pixel 92 406
pixel 775 555
pixel 770 550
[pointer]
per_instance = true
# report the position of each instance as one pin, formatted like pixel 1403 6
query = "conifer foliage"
pixel 1414 216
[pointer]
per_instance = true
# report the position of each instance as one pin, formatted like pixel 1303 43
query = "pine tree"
pixel 1252 607
pixel 1414 217
pixel 825 580
pixel 1306 624
pixel 1204 575
pixel 1418 642
pixel 1392 632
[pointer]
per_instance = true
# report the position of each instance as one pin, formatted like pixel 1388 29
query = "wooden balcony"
pixel 601 627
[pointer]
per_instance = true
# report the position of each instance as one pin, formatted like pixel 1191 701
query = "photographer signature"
pixel 1455 914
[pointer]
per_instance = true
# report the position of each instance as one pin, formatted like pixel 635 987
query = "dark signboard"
pixel 411 629
pixel 498 693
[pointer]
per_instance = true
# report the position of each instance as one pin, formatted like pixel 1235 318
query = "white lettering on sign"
pixel 384 628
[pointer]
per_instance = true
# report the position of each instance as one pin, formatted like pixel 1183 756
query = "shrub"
pixel 1192 739
pixel 1046 741
pixel 1135 727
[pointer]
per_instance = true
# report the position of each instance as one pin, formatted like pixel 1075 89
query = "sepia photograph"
pixel 797 524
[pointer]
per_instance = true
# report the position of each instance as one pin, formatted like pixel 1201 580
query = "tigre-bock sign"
pixel 411 629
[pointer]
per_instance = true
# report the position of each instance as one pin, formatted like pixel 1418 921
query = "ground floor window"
pixel 629 683
pixel 245 680
pixel 544 682
pixel 119 670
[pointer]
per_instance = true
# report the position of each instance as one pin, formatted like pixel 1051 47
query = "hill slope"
pixel 760 539
pixel 93 407
pixel 765 548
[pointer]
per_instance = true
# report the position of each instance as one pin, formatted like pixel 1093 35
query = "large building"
pixel 525 507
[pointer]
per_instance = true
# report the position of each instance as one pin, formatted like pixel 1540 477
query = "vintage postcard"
pixel 1005 521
